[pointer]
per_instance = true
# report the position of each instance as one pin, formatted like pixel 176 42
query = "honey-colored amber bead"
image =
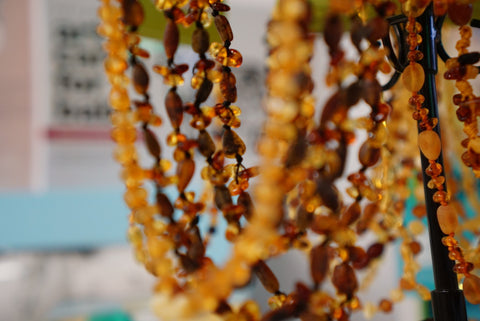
pixel 234 59
pixel 266 277
pixel 171 38
pixel 115 64
pixel 185 170
pixel 135 197
pixel 344 279
pixel 124 135
pixel 228 86
pixel 152 143
pixel 385 305
pixel 430 144
pixel 413 77
pixel 174 106
pixel 414 8
pixel 447 219
pixel 319 263
pixel 223 28
pixel 119 99
pixel 140 79
pixel 471 289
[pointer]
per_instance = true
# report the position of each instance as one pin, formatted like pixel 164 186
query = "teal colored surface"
pixel 111 316
pixel 62 220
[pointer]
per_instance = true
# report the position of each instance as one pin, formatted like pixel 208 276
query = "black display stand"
pixel 448 302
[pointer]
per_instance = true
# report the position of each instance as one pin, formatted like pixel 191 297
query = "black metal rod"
pixel 447 300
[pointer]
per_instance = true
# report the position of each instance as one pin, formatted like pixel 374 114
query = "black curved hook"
pixel 398 61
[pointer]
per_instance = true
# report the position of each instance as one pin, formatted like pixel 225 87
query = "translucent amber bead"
pixel 140 79
pixel 232 144
pixel 124 135
pixel 413 77
pixel 414 8
pixel 174 106
pixel 447 219
pixel 171 38
pixel 429 144
pixel 223 28
pixel 115 64
pixel 185 170
pixel 200 41
pixel 119 99
pixel 471 289
pixel 319 263
pixel 135 197
pixel 385 305
pixel 266 277
pixel 344 279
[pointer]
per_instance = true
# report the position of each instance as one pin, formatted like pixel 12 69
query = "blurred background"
pixel 63 250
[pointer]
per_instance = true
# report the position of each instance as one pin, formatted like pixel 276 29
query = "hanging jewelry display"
pixel 298 201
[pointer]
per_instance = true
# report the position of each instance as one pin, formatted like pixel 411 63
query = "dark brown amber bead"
pixel 223 28
pixel 266 276
pixel 381 112
pixel 228 86
pixel 180 69
pixel 464 113
pixel 133 13
pixel 377 28
pixel 206 146
pixel 218 6
pixel 440 8
pixel 232 144
pixel 386 9
pixel 303 218
pixel 368 155
pixel 415 55
pixel 344 279
pixel 357 32
pixel 415 247
pixel 329 194
pixel 164 205
pixel 296 152
pixel 375 250
pixel 358 257
pixel 319 263
pixel 460 13
pixel 174 106
pixel 457 99
pixel 196 250
pixel 469 58
pixel 245 200
pixel 200 41
pixel 185 170
pixel 222 197
pixel 218 160
pixel 455 73
pixel 171 38
pixel 333 32
pixel 204 91
pixel 152 143
pixel 371 91
pixel 140 79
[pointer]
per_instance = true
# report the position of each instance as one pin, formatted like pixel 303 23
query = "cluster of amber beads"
pixel 461 70
pixel 430 146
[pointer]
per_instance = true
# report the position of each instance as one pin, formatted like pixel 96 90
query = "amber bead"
pixel 368 154
pixel 133 13
pixel 375 250
pixel 434 169
pixel 430 144
pixel 333 32
pixel 245 200
pixel 228 86
pixel 200 41
pixel 319 263
pixel 471 289
pixel 371 91
pixel 223 28
pixel 152 143
pixel 358 257
pixel 385 305
pixel 351 214
pixel 377 29
pixel 140 79
pixel 204 91
pixel 464 113
pixel 344 279
pixel 222 197
pixel 447 219
pixel 329 194
pixel 266 276
pixel 171 38
pixel 174 106
pixel 413 77
pixel 460 13
pixel 415 247
pixel 206 146
pixel 164 205
pixel 232 144
pixel 185 170
pixel 469 58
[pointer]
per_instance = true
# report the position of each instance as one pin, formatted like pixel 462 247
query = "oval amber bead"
pixel 223 27
pixel 232 144
pixel 413 77
pixel 447 219
pixel 368 154
pixel 152 143
pixel 266 276
pixel 185 171
pixel 471 289
pixel 206 146
pixel 140 79
pixel 164 205
pixel 171 38
pixel 228 86
pixel 430 144
pixel 200 41
pixel 133 13
pixel 319 263
pixel 222 197
pixel 344 279
pixel 460 13
pixel 174 106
